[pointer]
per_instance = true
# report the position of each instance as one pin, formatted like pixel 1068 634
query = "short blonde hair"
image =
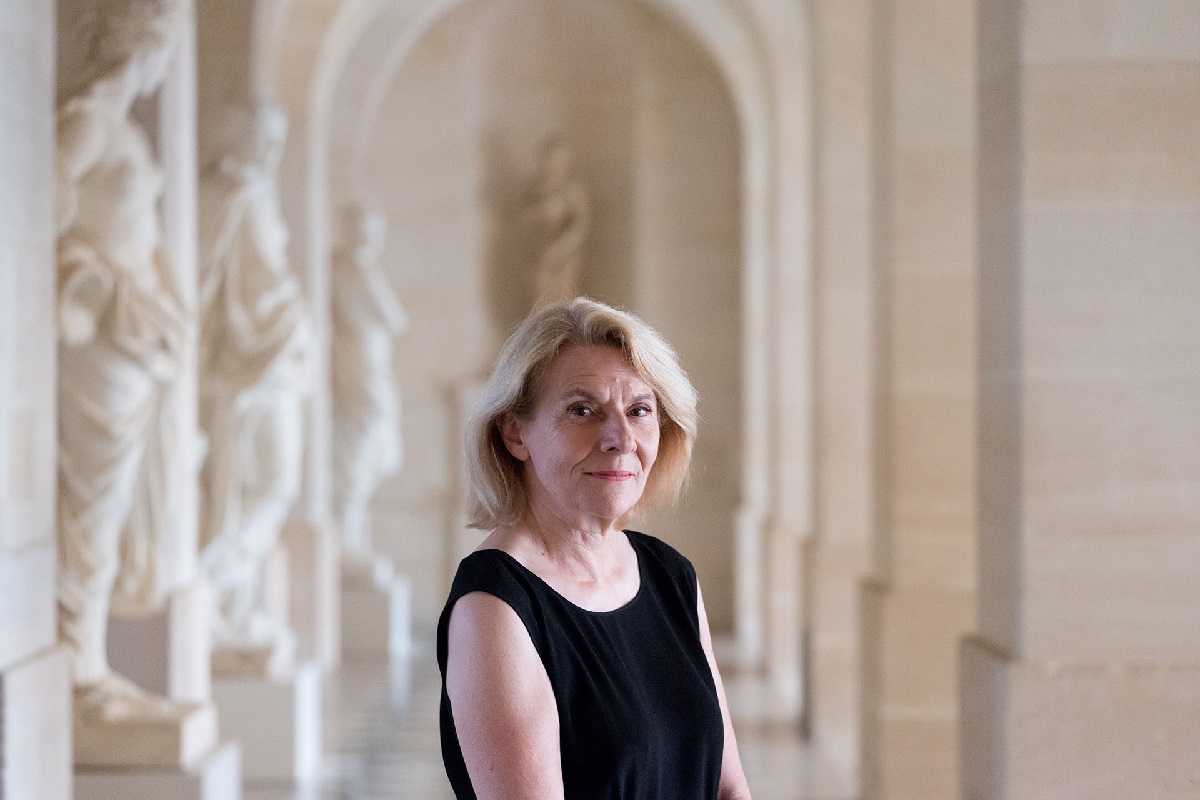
pixel 496 487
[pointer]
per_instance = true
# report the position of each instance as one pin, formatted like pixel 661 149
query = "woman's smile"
pixel 611 475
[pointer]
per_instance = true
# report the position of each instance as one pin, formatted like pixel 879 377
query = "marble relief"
pixel 560 216
pixel 122 335
pixel 256 364
pixel 367 317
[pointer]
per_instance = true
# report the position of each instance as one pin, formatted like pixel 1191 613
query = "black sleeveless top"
pixel 637 706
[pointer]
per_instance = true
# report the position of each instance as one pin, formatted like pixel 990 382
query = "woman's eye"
pixel 640 411
pixel 579 410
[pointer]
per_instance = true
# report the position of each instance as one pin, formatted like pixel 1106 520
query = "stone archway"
pixel 760 49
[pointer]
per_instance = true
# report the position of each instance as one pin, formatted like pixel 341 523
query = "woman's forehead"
pixel 590 367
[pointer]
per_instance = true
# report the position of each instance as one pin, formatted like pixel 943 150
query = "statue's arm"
pixel 85 288
pixel 381 295
pixel 81 140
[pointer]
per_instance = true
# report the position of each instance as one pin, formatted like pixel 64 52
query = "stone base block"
pixel 167 653
pixel 269 659
pixel 377 619
pixel 277 720
pixel 180 739
pixel 216 777
pixel 35 727
pixel 1071 731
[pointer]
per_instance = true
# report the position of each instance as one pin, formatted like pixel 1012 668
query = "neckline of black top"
pixel 626 605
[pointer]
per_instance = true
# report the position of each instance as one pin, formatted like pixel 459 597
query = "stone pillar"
pixel 844 380
pixel 1083 680
pixel 35 681
pixel 311 537
pixel 922 600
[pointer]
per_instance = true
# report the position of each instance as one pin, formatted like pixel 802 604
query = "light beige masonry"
pixel 1081 730
pixel 1068 31
pixel 1113 131
pixel 1091 499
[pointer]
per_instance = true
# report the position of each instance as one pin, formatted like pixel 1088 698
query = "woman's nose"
pixel 617 435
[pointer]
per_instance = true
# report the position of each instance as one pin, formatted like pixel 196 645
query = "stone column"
pixel 844 379
pixel 922 600
pixel 306 66
pixel 35 680
pixel 1083 682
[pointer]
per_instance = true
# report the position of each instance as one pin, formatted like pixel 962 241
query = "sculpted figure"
pixel 255 368
pixel 366 402
pixel 122 332
pixel 560 214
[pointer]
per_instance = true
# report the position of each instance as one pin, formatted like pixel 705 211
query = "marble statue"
pixel 366 402
pixel 256 363
pixel 123 334
pixel 560 213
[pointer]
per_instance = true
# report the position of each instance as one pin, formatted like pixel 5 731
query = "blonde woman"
pixel 576 656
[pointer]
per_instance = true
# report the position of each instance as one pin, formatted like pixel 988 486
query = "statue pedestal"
pixel 167 653
pixel 277 719
pixel 181 738
pixel 218 776
pixel 272 658
pixel 376 611
pixel 35 732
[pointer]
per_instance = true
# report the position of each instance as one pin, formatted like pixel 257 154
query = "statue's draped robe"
pixel 366 403
pixel 256 344
pixel 118 414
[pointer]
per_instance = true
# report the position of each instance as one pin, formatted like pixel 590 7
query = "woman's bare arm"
pixel 502 703
pixel 733 778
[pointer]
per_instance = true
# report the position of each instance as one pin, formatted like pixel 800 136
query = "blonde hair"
pixel 496 488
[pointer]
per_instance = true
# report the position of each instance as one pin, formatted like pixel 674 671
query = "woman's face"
pixel 592 438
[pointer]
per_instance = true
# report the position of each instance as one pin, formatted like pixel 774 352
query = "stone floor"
pixel 382 741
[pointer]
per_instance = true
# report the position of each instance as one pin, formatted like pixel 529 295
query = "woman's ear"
pixel 510 431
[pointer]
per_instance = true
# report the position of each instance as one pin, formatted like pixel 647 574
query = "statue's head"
pixel 254 135
pixel 139 34
pixel 364 228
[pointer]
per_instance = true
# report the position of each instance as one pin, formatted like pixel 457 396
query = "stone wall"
pixel 1087 663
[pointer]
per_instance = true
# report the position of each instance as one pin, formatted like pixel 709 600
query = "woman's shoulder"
pixel 666 555
pixel 496 573
pixel 487 569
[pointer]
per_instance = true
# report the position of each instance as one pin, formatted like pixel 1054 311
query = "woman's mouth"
pixel 611 475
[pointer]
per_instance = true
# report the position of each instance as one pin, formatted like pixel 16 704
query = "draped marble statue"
pixel 256 353
pixel 560 214
pixel 366 403
pixel 122 339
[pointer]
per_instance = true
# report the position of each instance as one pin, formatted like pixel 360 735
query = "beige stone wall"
pixel 840 555
pixel 1089 590
pixel 923 600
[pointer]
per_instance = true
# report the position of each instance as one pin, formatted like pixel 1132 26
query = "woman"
pixel 576 657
